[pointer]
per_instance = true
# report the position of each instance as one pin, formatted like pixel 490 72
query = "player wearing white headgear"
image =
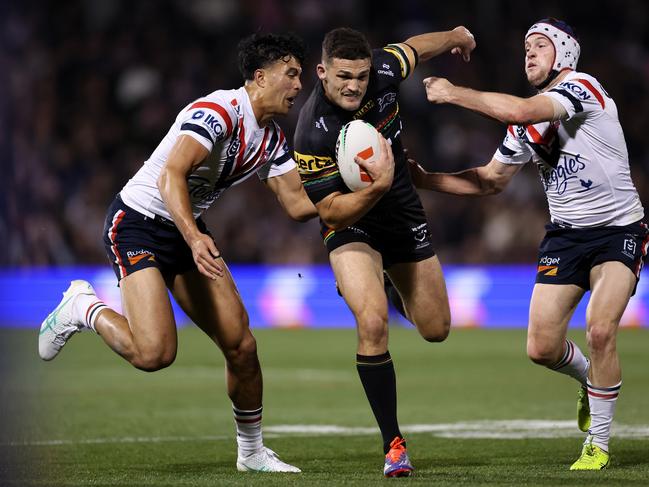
pixel 595 240
pixel 566 47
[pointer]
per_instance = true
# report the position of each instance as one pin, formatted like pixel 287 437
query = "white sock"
pixel 573 363
pixel 602 402
pixel 87 308
pixel 248 422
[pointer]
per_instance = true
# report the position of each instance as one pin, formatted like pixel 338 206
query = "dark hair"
pixel 345 43
pixel 259 50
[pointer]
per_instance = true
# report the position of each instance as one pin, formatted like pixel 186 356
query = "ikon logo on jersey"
pixel 212 122
pixel 576 89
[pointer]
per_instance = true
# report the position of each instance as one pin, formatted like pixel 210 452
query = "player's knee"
pixel 248 347
pixel 542 354
pixel 243 354
pixel 433 326
pixel 373 327
pixel 436 329
pixel 600 336
pixel 153 361
pixel 439 336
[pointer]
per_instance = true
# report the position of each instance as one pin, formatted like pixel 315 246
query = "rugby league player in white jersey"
pixel 156 240
pixel 595 240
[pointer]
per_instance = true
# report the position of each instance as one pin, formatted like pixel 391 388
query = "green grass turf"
pixel 88 393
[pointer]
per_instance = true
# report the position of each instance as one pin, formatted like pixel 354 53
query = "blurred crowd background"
pixel 90 87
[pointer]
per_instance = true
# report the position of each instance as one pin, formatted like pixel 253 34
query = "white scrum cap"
pixel 566 45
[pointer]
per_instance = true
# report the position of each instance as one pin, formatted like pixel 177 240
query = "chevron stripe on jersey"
pixel 541 138
pixel 225 124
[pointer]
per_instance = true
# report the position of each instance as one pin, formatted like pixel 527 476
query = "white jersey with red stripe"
pixel 225 124
pixel 582 160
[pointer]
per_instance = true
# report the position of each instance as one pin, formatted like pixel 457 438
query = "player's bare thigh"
pixel 147 308
pixel 359 273
pixel 423 291
pixel 551 307
pixel 612 284
pixel 215 306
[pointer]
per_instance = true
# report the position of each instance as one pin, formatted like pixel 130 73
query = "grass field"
pixel 89 419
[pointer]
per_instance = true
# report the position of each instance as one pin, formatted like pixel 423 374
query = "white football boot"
pixel 63 322
pixel 264 460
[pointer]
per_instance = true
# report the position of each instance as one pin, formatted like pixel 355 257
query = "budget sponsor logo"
pixel 549 266
pixel 135 256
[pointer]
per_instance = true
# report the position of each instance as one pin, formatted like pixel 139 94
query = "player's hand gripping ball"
pixel 356 138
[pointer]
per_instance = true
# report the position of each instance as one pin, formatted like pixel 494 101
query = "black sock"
pixel 393 296
pixel 380 384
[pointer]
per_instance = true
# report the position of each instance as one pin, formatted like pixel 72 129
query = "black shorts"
pixel 398 238
pixel 567 255
pixel 134 241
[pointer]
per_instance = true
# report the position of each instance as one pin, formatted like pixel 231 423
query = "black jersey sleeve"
pixel 392 61
pixel 316 164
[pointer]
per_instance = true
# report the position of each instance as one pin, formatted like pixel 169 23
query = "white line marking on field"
pixel 505 429
pixel 125 439
pixel 487 429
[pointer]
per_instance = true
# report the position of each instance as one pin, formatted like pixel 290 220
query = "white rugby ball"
pixel 356 138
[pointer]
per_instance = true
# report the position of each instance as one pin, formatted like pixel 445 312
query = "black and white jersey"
pixel 320 122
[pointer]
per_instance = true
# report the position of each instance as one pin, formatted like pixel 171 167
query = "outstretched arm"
pixel 505 108
pixel 427 46
pixel 491 178
pixel 291 195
